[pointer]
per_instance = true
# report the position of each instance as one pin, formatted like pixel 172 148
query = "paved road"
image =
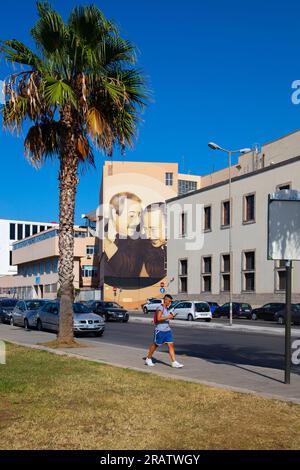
pixel 224 321
pixel 215 346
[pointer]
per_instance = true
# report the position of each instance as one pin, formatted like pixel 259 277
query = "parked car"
pixel 85 321
pixel 6 308
pixel 213 306
pixel 267 311
pixel 152 305
pixel 281 315
pixel 193 310
pixel 239 310
pixel 111 311
pixel 23 310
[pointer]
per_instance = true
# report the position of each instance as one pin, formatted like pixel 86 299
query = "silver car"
pixel 23 311
pixel 85 321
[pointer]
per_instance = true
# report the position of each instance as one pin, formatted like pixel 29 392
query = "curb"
pixel 215 326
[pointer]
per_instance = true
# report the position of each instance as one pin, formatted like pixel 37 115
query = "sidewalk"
pixel 246 379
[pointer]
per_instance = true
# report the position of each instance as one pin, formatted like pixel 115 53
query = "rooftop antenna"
pixel 256 152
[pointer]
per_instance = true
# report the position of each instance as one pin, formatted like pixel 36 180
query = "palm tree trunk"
pixel 67 184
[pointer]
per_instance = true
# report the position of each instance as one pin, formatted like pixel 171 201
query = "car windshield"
pixel 111 305
pixel 80 308
pixel 201 307
pixel 34 304
pixel 296 306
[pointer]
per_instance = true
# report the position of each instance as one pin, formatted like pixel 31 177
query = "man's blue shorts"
pixel 162 337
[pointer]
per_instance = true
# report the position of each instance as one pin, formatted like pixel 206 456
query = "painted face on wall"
pixel 154 226
pixel 129 218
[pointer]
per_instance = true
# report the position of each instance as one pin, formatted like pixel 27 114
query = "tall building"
pixel 132 227
pixel 16 230
pixel 204 269
pixel 36 262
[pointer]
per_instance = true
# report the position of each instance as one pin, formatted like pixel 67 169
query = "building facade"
pixel 16 230
pixel 36 263
pixel 131 227
pixel 199 264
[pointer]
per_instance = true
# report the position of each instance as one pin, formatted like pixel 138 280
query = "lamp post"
pixel 214 146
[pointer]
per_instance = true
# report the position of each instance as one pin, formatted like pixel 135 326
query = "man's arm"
pixel 159 316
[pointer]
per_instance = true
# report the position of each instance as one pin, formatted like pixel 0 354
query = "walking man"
pixel 163 333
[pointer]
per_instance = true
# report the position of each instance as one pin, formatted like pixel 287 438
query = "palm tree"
pixel 80 90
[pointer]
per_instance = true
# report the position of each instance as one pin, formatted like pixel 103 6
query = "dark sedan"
pixel 109 310
pixel 239 310
pixel 267 311
pixel 6 308
pixel 281 315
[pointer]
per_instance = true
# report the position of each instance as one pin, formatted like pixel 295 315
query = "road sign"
pixel 162 284
pixel 284 245
pixel 284 225
pixel 162 290
pixel 115 289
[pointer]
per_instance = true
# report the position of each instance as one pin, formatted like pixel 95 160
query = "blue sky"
pixel 219 70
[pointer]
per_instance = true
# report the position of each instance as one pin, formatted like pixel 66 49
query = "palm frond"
pixel 42 141
pixel 16 51
pixel 57 92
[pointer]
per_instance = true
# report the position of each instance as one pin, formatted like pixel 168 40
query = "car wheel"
pixel 190 317
pixel 125 320
pixel 106 317
pixel 208 320
pixel 280 321
pixel 145 311
pixel 26 324
pixel 99 333
pixel 39 325
pixel 254 316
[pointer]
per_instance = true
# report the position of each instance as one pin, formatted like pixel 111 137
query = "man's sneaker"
pixel 149 362
pixel 177 365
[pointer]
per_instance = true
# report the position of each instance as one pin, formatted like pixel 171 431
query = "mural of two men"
pixel 134 242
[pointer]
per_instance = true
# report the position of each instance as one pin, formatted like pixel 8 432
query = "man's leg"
pixel 172 352
pixel 152 350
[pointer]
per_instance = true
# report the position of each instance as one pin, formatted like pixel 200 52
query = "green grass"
pixel 55 402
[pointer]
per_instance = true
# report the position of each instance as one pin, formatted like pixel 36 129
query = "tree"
pixel 79 91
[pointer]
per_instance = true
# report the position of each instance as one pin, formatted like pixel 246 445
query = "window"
pixel 249 208
pixel 183 217
pixel 34 229
pixel 280 275
pixel 225 214
pixel 48 267
pixel 207 218
pixel 249 271
pixel 169 179
pixel 12 231
pixel 206 273
pixel 42 228
pixel 48 228
pixel 27 230
pixel 225 273
pixel 183 273
pixel 89 271
pixel 91 250
pixel 185 186
pixel 20 231
pixel 10 258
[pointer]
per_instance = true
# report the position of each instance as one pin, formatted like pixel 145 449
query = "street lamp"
pixel 214 146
